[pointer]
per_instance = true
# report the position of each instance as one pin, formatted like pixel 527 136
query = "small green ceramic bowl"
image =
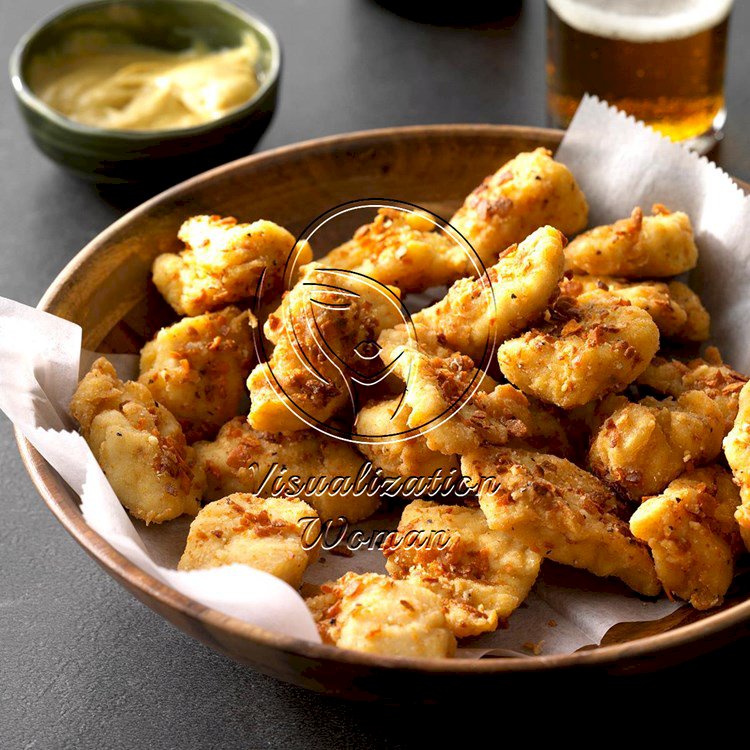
pixel 143 157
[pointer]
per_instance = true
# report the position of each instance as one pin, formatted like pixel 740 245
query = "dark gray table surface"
pixel 82 663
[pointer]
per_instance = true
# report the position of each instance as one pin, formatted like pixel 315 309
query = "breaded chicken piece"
pixel 692 534
pixel 456 407
pixel 714 378
pixel 197 368
pixel 325 334
pixel 379 615
pixel 421 469
pixel 674 307
pixel 526 193
pixel 737 451
pixel 139 445
pixel 222 263
pixel 262 463
pixel 270 534
pixel 481 575
pixel 472 316
pixel 641 447
pixel 401 249
pixel 585 349
pixel 560 511
pixel 638 247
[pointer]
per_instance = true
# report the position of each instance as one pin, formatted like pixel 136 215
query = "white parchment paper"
pixel 619 164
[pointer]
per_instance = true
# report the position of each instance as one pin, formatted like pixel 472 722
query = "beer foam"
pixel 642 20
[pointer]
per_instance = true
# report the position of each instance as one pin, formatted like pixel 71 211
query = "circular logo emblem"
pixel 321 348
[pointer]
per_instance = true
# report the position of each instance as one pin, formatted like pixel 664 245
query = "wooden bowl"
pixel 104 289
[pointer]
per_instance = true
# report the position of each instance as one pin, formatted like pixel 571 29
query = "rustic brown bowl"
pixel 104 289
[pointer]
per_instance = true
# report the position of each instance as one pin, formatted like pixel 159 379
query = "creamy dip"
pixel 99 80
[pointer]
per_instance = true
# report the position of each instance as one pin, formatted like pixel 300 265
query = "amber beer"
pixel 660 60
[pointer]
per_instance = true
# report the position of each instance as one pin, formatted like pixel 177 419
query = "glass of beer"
pixel 659 60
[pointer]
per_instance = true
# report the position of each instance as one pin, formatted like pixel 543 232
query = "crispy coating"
pixel 222 263
pixel 472 316
pixel 197 368
pixel 139 445
pixel 457 407
pixel 405 458
pixel 674 307
pixel 637 247
pixel 526 193
pixel 481 575
pixel 400 249
pixel 268 533
pixel 244 460
pixel 692 534
pixel 584 350
pixel 319 332
pixel 379 615
pixel 641 447
pixel 560 511
pixel 737 451
pixel 714 378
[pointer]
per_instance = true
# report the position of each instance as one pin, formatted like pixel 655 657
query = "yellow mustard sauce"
pixel 98 80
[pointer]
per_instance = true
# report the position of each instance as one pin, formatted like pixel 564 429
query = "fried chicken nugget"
pixel 737 451
pixel 585 349
pixel 526 193
pixel 692 534
pixel 400 249
pixel 717 380
pixel 270 534
pixel 139 445
pixel 197 368
pixel 637 247
pixel 641 447
pixel 324 333
pixel 262 463
pixel 523 280
pixel 481 575
pixel 458 407
pixel 379 615
pixel 560 511
pixel 411 459
pixel 674 307
pixel 222 263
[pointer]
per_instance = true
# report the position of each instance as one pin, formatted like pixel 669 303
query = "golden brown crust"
pixel 242 459
pixel 641 447
pixel 560 511
pixel 527 192
pixel 737 451
pixel 674 307
pixel 585 349
pixel 197 368
pixel 637 247
pixel 472 316
pixel 318 332
pixel 481 575
pixel 379 615
pixel 268 534
pixel 400 249
pixel 139 445
pixel 692 534
pixel 222 263
pixel 717 380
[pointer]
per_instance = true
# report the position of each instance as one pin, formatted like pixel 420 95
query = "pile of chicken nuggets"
pixel 596 438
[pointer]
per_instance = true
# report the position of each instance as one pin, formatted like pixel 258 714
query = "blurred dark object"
pixel 460 14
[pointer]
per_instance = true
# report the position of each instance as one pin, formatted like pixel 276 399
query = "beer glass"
pixel 659 60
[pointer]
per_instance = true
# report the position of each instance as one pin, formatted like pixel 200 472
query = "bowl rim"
pixel 45 478
pixel 26 95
